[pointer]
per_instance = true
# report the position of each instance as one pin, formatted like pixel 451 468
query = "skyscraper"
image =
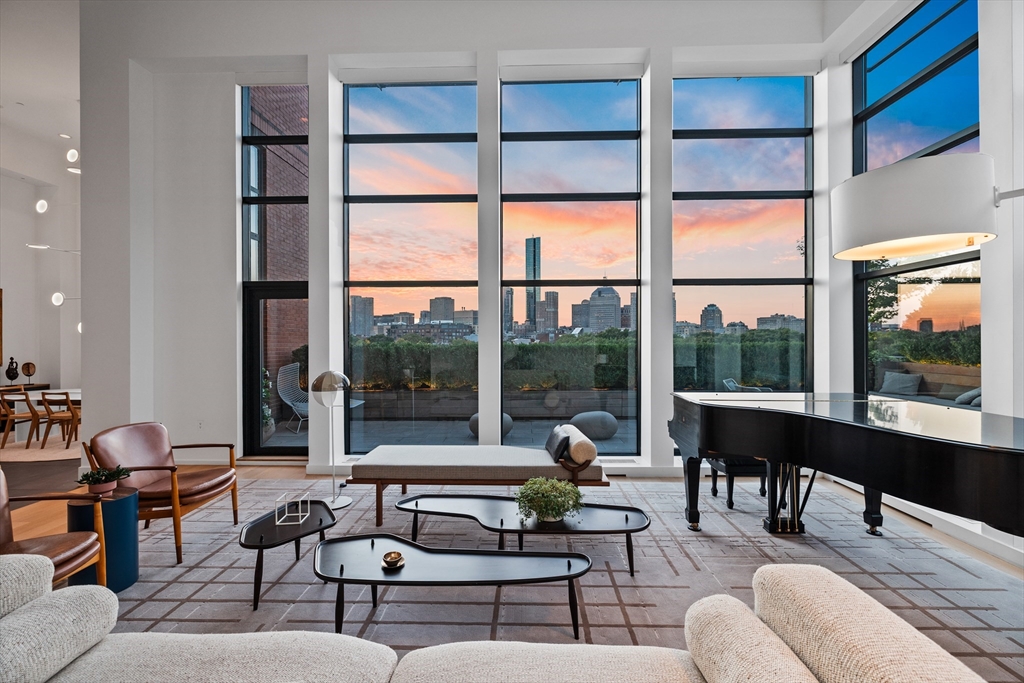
pixel 581 314
pixel 711 318
pixel 532 273
pixel 360 319
pixel 506 313
pixel 605 309
pixel 547 312
pixel 632 311
pixel 442 308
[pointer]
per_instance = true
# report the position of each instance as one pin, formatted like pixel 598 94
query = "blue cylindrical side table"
pixel 121 537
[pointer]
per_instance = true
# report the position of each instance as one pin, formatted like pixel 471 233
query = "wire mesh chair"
pixel 291 393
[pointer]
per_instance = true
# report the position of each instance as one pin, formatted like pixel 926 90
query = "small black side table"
pixel 264 532
pixel 120 537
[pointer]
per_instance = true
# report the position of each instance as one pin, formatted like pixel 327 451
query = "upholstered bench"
pixel 465 465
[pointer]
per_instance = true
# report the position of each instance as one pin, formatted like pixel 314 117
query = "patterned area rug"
pixel 972 610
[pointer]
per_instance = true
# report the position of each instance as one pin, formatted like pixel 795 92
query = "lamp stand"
pixel 338 501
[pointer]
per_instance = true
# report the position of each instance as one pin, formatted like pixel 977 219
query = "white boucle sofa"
pixel 810 626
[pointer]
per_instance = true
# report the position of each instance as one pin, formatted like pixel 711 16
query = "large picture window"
pixel 918 319
pixel 411 270
pixel 570 192
pixel 741 218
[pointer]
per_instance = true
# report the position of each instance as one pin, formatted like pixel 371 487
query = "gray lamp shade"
pixel 915 207
pixel 328 389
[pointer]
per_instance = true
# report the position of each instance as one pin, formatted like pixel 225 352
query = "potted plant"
pixel 104 481
pixel 266 413
pixel 549 499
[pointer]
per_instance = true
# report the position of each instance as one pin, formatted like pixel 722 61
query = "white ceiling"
pixel 39 67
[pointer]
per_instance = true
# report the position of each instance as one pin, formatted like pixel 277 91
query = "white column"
pixel 1001 104
pixel 489 245
pixel 327 327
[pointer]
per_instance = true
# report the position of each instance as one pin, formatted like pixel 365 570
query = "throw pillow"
pixel 976 402
pixel 581 449
pixel 949 392
pixel 968 396
pixel 557 443
pixel 880 376
pixel 900 384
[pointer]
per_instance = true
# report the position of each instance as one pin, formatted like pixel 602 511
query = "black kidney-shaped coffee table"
pixel 358 560
pixel 501 515
pixel 263 533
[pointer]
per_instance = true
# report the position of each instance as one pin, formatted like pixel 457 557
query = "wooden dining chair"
pixel 145 448
pixel 60 410
pixel 70 552
pixel 10 400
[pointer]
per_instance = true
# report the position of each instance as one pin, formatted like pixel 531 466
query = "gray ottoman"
pixel 506 424
pixel 596 425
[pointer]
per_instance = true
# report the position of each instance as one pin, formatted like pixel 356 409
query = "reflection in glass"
pixel 582 240
pixel 738 164
pixel 715 103
pixel 278 241
pixel 428 168
pixel 741 238
pixel 277 110
pixel 571 166
pixel 412 241
pixel 584 106
pixel 277 170
pixel 926 325
pixel 413 365
pixel 941 107
pixel 285 383
pixel 413 108
pixel 578 354
pixel 739 338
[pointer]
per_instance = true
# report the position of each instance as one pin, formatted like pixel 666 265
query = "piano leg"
pixel 691 484
pixel 873 510
pixel 714 482
pixel 783 482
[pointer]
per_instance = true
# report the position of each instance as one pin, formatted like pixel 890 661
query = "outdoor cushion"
pixel 461 463
pixel 950 392
pixel 596 424
pixel 968 396
pixel 900 384
pixel 581 449
pixel 976 402
pixel 506 424
pixel 558 443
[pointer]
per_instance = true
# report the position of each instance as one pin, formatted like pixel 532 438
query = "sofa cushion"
pixel 23 578
pixel 580 449
pixel 950 392
pixel 729 644
pixel 901 384
pixel 463 463
pixel 557 443
pixel 249 657
pixel 39 639
pixel 512 662
pixel 842 634
pixel 976 403
pixel 968 396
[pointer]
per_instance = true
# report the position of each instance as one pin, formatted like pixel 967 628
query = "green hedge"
pixel 762 358
pixel 954 347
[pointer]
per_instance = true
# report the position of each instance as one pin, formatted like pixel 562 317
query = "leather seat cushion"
pixel 198 484
pixel 61 548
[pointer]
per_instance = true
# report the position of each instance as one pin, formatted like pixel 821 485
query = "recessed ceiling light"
pixel 38 246
pixel 64 135
pixel 76 171
pixel 42 206
pixel 79 328
pixel 72 155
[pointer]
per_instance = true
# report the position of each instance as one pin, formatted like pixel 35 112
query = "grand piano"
pixel 963 462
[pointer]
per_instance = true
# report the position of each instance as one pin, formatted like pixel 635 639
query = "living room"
pixel 495 217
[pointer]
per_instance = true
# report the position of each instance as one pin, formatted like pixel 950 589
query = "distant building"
pixel 402 318
pixel 467 317
pixel 507 310
pixel 633 311
pixel 683 328
pixel 581 314
pixel 547 312
pixel 778 321
pixel 736 328
pixel 925 325
pixel 605 309
pixel 673 307
pixel 442 309
pixel 711 318
pixel 436 332
pixel 532 273
pixel 360 319
pixel 424 318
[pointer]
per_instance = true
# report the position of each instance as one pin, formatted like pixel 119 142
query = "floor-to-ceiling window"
pixel 411 267
pixel 275 268
pixel 741 219
pixel 570 192
pixel 918 331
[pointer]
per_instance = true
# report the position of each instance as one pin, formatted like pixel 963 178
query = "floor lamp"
pixel 329 389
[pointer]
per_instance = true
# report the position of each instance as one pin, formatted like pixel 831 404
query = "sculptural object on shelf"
pixel 12 370
pixel 28 369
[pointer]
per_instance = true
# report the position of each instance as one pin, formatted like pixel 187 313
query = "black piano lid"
pixel 945 423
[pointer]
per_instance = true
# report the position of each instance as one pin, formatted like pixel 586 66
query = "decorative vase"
pixel 268 429
pixel 12 370
pixel 550 519
pixel 105 490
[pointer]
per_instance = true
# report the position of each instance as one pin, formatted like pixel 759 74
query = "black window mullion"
pixel 739 281
pixel 410 198
pixel 410 283
pixel 742 194
pixel 406 138
pixel 571 136
pixel 591 282
pixel 570 197
pixel 283 199
pixel 738 133
pixel 275 140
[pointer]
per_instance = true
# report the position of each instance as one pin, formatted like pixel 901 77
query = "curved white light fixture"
pixel 42 206
pixel 79 328
pixel 76 171
pixel 72 155
pixel 47 246
pixel 58 298
pixel 64 135
pixel 916 207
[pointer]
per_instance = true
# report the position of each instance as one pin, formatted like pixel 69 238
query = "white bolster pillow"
pixel 581 449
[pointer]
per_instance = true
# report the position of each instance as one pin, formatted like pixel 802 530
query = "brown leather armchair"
pixel 70 552
pixel 145 448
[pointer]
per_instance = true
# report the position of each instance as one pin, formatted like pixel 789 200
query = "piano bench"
pixel 736 467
